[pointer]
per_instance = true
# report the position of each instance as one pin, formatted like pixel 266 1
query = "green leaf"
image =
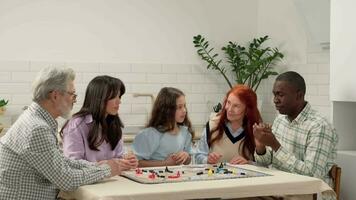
pixel 3 102
pixel 249 64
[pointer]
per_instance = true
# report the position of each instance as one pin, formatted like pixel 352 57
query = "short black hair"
pixel 293 78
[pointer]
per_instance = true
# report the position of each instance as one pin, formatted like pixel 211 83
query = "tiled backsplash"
pixel 203 88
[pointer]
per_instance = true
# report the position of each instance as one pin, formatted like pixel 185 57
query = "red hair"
pixel 248 97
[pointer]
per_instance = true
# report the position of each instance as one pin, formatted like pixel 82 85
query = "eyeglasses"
pixel 72 94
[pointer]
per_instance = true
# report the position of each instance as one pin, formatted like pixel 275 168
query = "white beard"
pixel 65 110
pixel 66 115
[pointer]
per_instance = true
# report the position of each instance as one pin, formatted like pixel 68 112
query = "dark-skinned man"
pixel 300 141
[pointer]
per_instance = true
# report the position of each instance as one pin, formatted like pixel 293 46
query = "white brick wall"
pixel 316 74
pixel 203 88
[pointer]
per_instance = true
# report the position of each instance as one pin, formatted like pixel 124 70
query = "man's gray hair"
pixel 50 79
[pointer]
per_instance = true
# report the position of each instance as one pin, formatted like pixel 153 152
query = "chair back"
pixel 335 174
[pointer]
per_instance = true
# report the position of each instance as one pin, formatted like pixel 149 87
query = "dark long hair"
pixel 99 91
pixel 252 116
pixel 164 110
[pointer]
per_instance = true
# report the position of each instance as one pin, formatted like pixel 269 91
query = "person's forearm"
pixel 275 146
pixel 187 161
pixel 153 163
pixel 261 150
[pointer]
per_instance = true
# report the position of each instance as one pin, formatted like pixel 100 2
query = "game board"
pixel 182 173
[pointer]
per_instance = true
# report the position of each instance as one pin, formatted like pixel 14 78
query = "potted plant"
pixel 249 65
pixel 3 103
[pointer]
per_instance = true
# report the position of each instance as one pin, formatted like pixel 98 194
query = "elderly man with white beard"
pixel 32 165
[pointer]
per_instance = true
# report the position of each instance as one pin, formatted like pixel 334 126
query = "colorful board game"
pixel 189 173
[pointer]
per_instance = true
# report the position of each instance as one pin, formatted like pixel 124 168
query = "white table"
pixel 281 183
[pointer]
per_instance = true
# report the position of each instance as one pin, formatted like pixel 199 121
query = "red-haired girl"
pixel 228 136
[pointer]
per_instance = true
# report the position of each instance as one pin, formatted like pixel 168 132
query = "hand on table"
pixel 213 157
pixel 239 160
pixel 180 157
pixel 132 160
pixel 169 161
pixel 115 169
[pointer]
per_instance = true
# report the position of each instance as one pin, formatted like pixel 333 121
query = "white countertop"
pixel 349 153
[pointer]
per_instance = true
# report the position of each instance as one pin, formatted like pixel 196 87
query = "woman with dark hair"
pixel 228 136
pixel 94 133
pixel 166 140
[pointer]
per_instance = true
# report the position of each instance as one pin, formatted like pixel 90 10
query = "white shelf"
pixel 349 153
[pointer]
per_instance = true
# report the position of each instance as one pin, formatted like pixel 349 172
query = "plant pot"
pixel 1 127
pixel 2 110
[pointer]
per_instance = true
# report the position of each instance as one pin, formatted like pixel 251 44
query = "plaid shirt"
pixel 308 145
pixel 32 165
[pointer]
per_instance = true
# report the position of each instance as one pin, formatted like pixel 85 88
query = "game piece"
pixel 138 171
pixel 167 170
pixel 160 176
pixel 210 172
pixel 154 175
pixel 234 171
pixel 175 176
pixel 221 165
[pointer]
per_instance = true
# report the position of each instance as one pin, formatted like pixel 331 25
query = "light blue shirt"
pixel 150 144
pixel 202 150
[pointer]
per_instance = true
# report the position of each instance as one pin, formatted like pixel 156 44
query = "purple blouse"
pixel 76 146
